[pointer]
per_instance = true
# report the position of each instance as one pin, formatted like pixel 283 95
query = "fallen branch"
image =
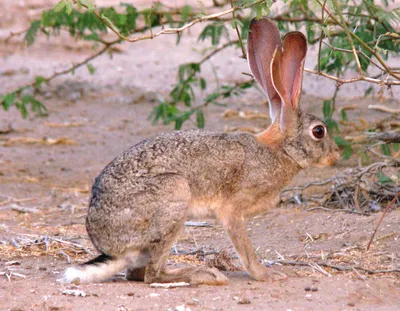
pixel 22 209
pixel 387 137
pixel 169 285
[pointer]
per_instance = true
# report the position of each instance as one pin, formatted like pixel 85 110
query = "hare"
pixel 141 200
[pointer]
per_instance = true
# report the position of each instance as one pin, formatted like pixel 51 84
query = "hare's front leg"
pixel 235 226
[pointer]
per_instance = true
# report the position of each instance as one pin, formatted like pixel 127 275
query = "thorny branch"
pixel 282 17
pixel 366 46
pixel 171 30
pixel 105 48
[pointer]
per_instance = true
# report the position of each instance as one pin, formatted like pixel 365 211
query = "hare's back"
pixel 186 153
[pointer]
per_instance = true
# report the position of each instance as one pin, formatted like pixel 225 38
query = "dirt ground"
pixel 94 118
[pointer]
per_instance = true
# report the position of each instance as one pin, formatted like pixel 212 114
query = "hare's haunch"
pixel 142 198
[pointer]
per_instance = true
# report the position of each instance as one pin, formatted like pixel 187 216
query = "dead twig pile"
pixel 32 245
pixel 348 259
pixel 357 190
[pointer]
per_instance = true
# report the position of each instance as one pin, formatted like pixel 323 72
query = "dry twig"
pixel 380 220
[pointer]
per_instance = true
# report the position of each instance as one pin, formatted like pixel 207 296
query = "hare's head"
pixel 278 68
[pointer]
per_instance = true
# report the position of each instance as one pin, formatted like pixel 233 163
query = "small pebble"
pixel 351 304
pixel 309 296
pixel 130 294
pixel 307 288
pixel 244 301
pixel 314 289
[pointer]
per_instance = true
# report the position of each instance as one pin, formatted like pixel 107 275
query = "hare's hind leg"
pixel 173 203
pixel 156 271
pixel 136 268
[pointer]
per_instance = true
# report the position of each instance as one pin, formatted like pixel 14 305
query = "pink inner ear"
pixel 263 39
pixel 292 63
pixel 276 73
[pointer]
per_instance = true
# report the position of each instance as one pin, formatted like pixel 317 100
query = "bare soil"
pixel 94 118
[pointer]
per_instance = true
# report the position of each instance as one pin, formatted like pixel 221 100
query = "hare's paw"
pixel 264 274
pixel 209 276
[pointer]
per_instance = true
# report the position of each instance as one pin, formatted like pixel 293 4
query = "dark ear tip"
pixel 258 21
pixel 297 34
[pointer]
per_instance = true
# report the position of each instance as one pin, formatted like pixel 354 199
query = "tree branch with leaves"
pixel 357 37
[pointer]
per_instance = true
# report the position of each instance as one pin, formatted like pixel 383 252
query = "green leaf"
pixel 39 81
pixel 92 37
pixel 32 32
pixel 343 115
pixel 185 13
pixel 383 179
pixel 68 8
pixel 347 148
pixel 386 149
pixel 36 106
pixel 332 125
pixel 178 123
pixel 368 91
pixel 109 23
pixel 214 31
pixel 203 84
pixel 327 108
pixel 8 100
pixel 347 152
pixel 59 6
pixel 341 142
pixel 91 68
pixel 396 147
pixel 22 108
pixel 233 23
pixel 200 118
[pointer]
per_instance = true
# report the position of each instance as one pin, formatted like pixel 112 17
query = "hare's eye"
pixel 319 131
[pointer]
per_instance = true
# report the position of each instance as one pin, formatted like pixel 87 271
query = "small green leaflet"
pixel 32 32
pixel 383 178
pixel 200 118
pixel 68 8
pixel 91 68
pixel 60 5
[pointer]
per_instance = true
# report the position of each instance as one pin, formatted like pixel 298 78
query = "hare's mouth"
pixel 330 160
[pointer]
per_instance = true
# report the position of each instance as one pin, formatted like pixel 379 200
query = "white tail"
pixel 96 272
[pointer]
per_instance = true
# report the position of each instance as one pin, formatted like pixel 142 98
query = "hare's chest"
pixel 204 207
pixel 258 203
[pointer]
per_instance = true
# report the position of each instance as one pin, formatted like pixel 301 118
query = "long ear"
pixel 287 76
pixel 263 39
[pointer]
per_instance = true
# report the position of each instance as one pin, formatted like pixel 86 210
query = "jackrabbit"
pixel 142 198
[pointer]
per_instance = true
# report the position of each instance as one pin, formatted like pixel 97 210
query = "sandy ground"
pixel 110 112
